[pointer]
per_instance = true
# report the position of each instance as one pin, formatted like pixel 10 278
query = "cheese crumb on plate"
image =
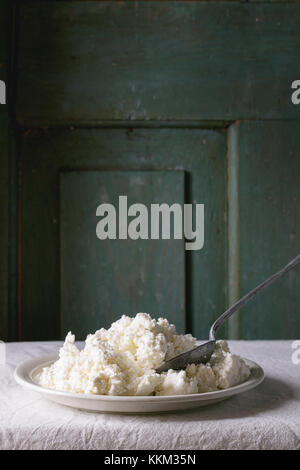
pixel 122 361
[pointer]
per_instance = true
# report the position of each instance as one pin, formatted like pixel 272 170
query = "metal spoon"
pixel 203 353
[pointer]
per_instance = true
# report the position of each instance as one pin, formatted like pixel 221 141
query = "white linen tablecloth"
pixel 267 417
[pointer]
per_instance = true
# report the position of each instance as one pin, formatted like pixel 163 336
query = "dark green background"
pixel 185 101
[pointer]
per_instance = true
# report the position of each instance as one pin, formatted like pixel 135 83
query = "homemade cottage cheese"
pixel 122 361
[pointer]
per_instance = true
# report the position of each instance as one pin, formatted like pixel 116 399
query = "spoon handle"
pixel 251 294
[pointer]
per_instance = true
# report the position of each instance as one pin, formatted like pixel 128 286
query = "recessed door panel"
pixel 104 279
pixel 51 158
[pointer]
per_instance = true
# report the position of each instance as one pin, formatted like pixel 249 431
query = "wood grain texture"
pixel 103 279
pixel 86 62
pixel 269 220
pixel 233 227
pixel 199 153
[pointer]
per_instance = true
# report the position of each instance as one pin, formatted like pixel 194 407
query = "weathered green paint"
pixel 233 227
pixel 199 153
pixel 104 279
pixel 269 220
pixel 175 68
pixel 85 62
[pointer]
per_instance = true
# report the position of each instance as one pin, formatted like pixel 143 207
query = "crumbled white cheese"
pixel 122 361
pixel 230 371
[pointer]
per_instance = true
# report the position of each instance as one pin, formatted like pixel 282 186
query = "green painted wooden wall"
pixel 169 102
pixel 47 155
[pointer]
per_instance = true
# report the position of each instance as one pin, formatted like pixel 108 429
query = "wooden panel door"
pixel 195 91
pixel 63 173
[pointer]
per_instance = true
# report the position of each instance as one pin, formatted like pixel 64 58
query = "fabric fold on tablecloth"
pixel 267 417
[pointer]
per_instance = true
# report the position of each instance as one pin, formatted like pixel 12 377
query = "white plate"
pixel 26 373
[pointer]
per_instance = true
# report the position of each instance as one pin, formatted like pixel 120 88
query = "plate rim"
pixel 23 376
